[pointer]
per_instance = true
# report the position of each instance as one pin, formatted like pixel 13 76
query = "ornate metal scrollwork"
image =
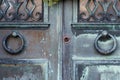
pixel 99 11
pixel 13 35
pixel 102 51
pixel 21 10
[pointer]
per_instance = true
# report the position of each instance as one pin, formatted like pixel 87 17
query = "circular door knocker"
pixel 14 34
pixel 103 51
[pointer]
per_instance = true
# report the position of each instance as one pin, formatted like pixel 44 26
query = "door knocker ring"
pixel 13 35
pixel 102 51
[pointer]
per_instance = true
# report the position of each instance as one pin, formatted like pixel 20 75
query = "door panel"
pixel 28 47
pixel 23 69
pixel 93 33
pixel 96 70
pixel 36 43
pixel 85 42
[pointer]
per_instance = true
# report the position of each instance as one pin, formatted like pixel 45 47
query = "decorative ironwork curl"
pixel 10 10
pixel 104 15
pixel 102 51
pixel 13 35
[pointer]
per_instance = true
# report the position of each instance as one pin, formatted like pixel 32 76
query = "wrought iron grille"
pixel 99 11
pixel 21 10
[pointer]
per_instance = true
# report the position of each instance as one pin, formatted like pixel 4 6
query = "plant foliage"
pixel 51 2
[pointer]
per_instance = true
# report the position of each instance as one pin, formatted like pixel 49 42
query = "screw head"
pixel 14 34
pixel 104 33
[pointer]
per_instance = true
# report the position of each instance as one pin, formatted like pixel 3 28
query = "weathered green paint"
pixel 24 69
pixel 71 59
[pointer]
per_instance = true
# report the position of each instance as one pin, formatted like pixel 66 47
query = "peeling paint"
pixel 83 47
pixel 99 72
pixel 74 57
pixel 114 69
pixel 26 76
pixel 33 69
pixel 85 74
pixel 85 36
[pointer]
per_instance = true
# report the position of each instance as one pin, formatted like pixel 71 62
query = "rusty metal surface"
pixel 38 59
pixel 23 69
pixel 36 44
pixel 94 45
pixel 99 11
pixel 97 70
pixel 84 40
pixel 94 17
pixel 83 29
pixel 21 10
pixel 69 49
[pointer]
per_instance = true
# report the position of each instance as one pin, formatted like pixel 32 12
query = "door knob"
pixel 99 49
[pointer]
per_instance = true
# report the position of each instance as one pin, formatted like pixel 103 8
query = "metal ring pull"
pixel 102 51
pixel 13 35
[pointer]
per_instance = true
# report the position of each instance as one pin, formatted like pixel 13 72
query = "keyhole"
pixel 66 39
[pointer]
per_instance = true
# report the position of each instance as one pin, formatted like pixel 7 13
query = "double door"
pixel 71 40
